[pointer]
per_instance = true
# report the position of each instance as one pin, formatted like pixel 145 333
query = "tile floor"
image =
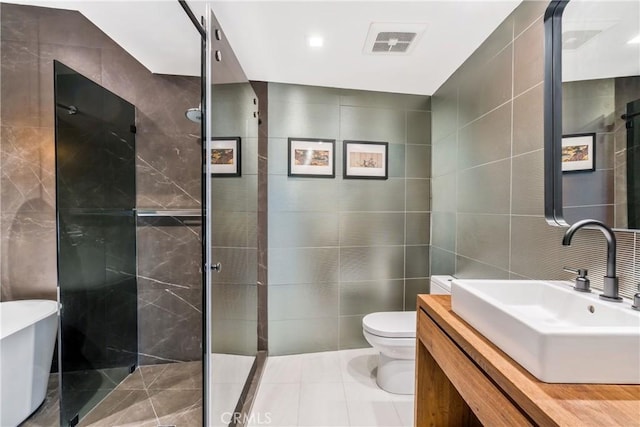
pixel 84 389
pixel 159 395
pixel 167 394
pixel 317 389
pixel 48 414
pixel 327 389
pixel 155 395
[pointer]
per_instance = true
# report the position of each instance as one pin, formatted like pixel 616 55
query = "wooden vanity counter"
pixel 465 380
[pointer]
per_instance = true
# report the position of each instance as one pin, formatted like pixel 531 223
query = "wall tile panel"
pixel 371 296
pixel 484 238
pixel 528 58
pixel 372 124
pixel 371 263
pixel 303 265
pixel 485 140
pixel 485 189
pixel 525 246
pixel 346 234
pixel 372 229
pixel 528 129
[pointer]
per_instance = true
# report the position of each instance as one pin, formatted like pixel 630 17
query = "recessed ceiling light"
pixel 315 41
pixel 635 40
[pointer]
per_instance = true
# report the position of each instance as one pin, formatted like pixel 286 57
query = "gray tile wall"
pixel 487 169
pixel 339 249
pixel 168 170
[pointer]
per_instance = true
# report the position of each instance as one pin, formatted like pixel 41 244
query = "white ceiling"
pixel 270 38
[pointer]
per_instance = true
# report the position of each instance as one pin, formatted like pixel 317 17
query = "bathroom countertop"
pixel 543 403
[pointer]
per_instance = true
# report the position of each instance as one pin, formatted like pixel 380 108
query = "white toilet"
pixel 393 334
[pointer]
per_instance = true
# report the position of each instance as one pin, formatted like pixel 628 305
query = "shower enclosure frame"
pixel 205 27
pixel 205 93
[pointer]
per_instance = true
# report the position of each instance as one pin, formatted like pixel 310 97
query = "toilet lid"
pixel 391 324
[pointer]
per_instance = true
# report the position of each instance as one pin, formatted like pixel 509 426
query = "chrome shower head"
pixel 194 114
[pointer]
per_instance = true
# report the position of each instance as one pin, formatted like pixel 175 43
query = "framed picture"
pixel 312 157
pixel 579 152
pixel 225 156
pixel 366 160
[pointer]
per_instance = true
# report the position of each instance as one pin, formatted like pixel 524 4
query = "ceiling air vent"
pixel 392 38
pixel 578 32
pixel 393 42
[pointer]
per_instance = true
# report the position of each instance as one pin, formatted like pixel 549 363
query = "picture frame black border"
pixel 593 145
pixel 300 175
pixel 238 172
pixel 345 175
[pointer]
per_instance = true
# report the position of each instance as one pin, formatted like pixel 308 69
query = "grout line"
pixel 533 22
pixel 524 92
pixel 482 116
pixel 344 389
pixel 513 60
pixel 146 390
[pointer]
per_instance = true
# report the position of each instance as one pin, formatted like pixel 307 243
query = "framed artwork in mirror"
pixel 225 156
pixel 578 152
pixel 309 157
pixel 366 160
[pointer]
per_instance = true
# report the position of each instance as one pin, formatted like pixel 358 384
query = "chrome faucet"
pixel 610 280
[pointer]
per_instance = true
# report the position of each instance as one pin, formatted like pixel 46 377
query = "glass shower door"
pixel 95 191
pixel 231 198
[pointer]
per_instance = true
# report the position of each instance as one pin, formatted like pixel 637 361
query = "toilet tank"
pixel 441 285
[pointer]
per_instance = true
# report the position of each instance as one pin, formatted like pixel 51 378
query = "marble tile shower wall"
pixel 339 249
pixel 488 219
pixel 168 171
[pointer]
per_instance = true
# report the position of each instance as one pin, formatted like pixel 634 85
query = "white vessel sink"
pixel 557 334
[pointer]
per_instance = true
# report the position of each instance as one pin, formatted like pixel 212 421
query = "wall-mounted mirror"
pixel 592 112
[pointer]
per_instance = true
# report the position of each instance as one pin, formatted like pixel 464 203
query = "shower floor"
pixel 155 395
pixel 158 395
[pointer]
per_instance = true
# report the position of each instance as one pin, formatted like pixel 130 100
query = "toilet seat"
pixel 391 324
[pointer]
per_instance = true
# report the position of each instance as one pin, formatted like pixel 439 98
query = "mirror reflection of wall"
pixel 601 84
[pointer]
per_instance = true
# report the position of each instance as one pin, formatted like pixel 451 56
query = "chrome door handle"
pixel 217 267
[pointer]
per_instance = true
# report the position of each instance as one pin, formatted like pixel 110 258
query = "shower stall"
pixel 161 241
